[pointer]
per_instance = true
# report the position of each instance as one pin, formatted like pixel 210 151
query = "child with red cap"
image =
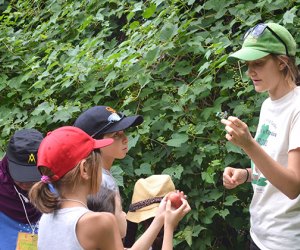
pixel 70 164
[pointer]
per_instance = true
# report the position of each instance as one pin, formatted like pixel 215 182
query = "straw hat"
pixel 147 195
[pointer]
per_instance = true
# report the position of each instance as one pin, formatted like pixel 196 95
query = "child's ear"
pixel 84 170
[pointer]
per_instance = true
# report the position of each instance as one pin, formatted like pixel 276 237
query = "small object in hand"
pixel 222 115
pixel 175 199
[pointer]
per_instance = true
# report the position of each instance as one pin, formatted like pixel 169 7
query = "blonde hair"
pixel 45 199
pixel 291 71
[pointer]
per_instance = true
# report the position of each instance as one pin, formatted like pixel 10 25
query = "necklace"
pixel 74 201
pixel 27 201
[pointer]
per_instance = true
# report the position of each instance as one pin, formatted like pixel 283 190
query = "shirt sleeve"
pixel 109 182
pixel 294 138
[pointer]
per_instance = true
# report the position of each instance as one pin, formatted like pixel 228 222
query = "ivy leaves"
pixel 165 60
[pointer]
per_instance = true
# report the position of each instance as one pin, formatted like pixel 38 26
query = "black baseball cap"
pixel 100 120
pixel 22 155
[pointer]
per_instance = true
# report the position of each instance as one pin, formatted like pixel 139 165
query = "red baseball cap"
pixel 62 149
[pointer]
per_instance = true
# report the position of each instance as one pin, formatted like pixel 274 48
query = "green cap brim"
pixel 246 54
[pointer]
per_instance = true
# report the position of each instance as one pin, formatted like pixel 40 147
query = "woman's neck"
pixel 282 89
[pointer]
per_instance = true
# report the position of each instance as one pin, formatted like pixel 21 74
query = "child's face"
pixel 120 216
pixel 118 149
pixel 25 185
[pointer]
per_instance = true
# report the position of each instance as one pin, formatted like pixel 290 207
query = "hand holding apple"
pixel 175 198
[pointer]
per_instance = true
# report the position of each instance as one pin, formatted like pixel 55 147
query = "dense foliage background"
pixel 164 59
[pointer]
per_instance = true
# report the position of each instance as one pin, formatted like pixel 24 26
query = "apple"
pixel 175 199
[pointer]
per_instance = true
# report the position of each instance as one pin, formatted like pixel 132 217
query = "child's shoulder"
pixel 95 228
pixel 98 219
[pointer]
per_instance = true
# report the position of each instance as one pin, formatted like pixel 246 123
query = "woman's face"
pixel 120 216
pixel 118 149
pixel 266 75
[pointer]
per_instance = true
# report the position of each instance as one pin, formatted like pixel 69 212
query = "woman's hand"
pixel 232 177
pixel 237 132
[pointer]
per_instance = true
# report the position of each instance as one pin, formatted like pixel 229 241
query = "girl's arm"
pixel 172 218
pixel 147 238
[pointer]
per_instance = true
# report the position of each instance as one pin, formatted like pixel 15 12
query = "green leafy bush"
pixel 165 60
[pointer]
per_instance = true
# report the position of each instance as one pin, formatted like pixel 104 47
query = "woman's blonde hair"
pixel 46 196
pixel 291 71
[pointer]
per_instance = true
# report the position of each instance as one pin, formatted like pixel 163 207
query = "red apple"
pixel 175 199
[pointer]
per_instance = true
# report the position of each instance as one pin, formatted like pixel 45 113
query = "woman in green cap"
pixel 269 52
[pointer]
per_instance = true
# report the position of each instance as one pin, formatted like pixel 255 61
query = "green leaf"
pixel 174 172
pixel 183 68
pixel 229 200
pixel 208 177
pixel 224 213
pixel 232 148
pixel 187 234
pixel 210 212
pixel 43 107
pixel 289 15
pixel 152 54
pixel 158 2
pixel 111 76
pixel 132 141
pixel 149 11
pixel 134 25
pixel 183 89
pixel 177 140
pixel 145 169
pixel 168 32
pixel 204 67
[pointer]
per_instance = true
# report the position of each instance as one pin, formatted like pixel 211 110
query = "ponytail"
pixel 46 194
pixel 44 199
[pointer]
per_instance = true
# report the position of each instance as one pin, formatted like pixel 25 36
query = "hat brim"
pixel 103 143
pixel 126 122
pixel 22 173
pixel 142 214
pixel 246 54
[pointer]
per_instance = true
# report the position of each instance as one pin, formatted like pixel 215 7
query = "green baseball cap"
pixel 264 39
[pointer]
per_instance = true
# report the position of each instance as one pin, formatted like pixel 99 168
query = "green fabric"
pixel 255 47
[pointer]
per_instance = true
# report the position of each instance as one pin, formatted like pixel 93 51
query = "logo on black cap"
pixel 31 158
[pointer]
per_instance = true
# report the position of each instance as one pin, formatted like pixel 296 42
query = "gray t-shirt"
pixel 58 230
pixel 108 180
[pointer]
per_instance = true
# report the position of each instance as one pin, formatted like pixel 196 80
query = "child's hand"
pixel 175 198
pixel 173 216
pixel 160 212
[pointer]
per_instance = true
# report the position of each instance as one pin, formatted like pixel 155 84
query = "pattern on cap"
pixel 31 158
